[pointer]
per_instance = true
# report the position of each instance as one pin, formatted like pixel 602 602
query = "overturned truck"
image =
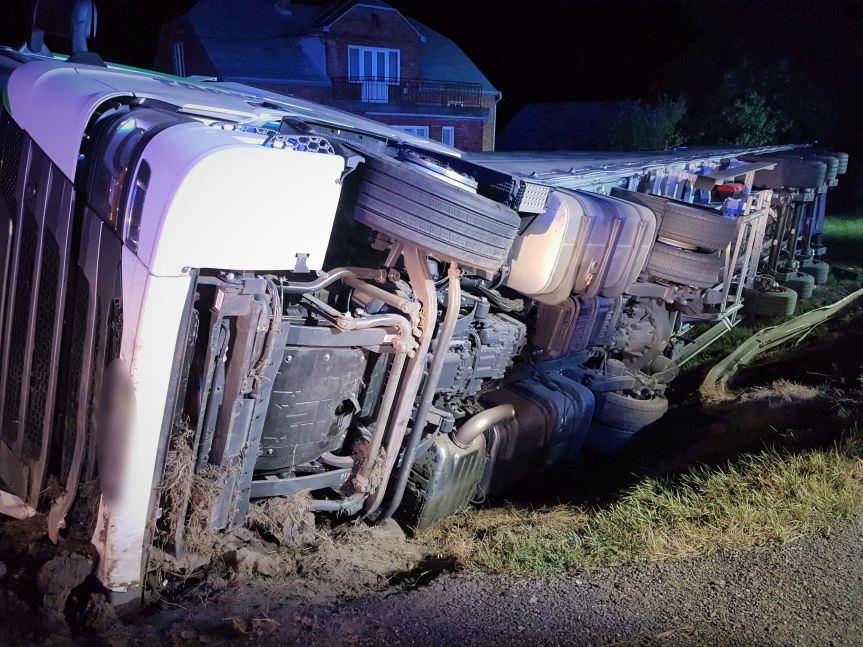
pixel 204 283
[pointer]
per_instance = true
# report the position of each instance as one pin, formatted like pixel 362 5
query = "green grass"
pixel 846 226
pixel 769 497
pixel 843 236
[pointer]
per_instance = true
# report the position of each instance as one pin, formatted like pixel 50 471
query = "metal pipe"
pixel 327 278
pixel 481 422
pixel 423 286
pixel 384 414
pixel 348 504
pixel 443 342
pixel 399 303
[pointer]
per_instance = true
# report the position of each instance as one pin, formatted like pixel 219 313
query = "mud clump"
pixel 58 577
pixel 360 453
pixel 289 520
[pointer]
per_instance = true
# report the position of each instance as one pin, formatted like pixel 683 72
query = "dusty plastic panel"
pixel 554 325
pixel 605 323
pixel 575 324
pixel 443 481
pixel 313 399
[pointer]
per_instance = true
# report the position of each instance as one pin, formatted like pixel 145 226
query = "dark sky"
pixel 546 50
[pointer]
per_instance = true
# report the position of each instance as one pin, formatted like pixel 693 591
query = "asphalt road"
pixel 809 592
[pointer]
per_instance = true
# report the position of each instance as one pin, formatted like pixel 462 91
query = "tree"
pixel 641 126
pixel 749 121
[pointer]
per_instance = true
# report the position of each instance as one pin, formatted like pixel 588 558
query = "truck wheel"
pixel 802 284
pixel 449 222
pixel 685 223
pixel 616 409
pixel 819 270
pixel 684 266
pixel 777 302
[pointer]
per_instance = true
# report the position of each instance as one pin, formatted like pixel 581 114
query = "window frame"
pixel 413 130
pixel 451 131
pixel 358 75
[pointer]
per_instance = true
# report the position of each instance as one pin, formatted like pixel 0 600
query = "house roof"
pixel 443 60
pixel 561 125
pixel 261 42
pixel 258 41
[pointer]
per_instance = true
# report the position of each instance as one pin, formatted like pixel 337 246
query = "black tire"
pixel 686 223
pixel 818 270
pixel 616 409
pixel 777 302
pixel 448 222
pixel 802 284
pixel 700 270
pixel 843 162
pixel 791 171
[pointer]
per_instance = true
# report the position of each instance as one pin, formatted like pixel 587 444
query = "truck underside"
pixel 469 322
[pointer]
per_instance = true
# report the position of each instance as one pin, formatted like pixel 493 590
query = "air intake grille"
pixel 20 319
pixel 10 155
pixel 40 368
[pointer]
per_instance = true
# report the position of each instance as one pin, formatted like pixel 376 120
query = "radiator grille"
pixel 40 369
pixel 10 154
pixel 20 319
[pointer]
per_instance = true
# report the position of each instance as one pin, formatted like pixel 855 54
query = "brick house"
pixel 362 56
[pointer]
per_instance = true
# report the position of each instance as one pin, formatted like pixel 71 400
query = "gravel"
pixel 809 591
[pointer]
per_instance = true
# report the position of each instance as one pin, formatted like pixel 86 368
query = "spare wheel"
pixel 684 266
pixel 450 221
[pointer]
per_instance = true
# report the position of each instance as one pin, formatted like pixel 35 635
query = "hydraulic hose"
pixel 332 276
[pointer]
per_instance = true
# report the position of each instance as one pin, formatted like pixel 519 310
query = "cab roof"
pixel 53 100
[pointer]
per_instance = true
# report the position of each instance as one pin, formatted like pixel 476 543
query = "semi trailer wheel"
pixel 687 224
pixel 616 409
pixel 684 266
pixel 413 205
pixel 802 284
pixel 775 302
pixel 818 270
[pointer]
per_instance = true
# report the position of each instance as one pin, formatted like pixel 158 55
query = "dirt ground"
pixel 805 593
pixel 361 585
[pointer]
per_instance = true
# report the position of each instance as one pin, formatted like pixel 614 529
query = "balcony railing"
pixel 407 91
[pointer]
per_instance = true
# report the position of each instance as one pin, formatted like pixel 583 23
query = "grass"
pixel 761 498
pixel 843 235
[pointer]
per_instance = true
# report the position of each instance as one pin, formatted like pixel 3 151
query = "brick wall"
pixel 468 132
pixel 374 28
